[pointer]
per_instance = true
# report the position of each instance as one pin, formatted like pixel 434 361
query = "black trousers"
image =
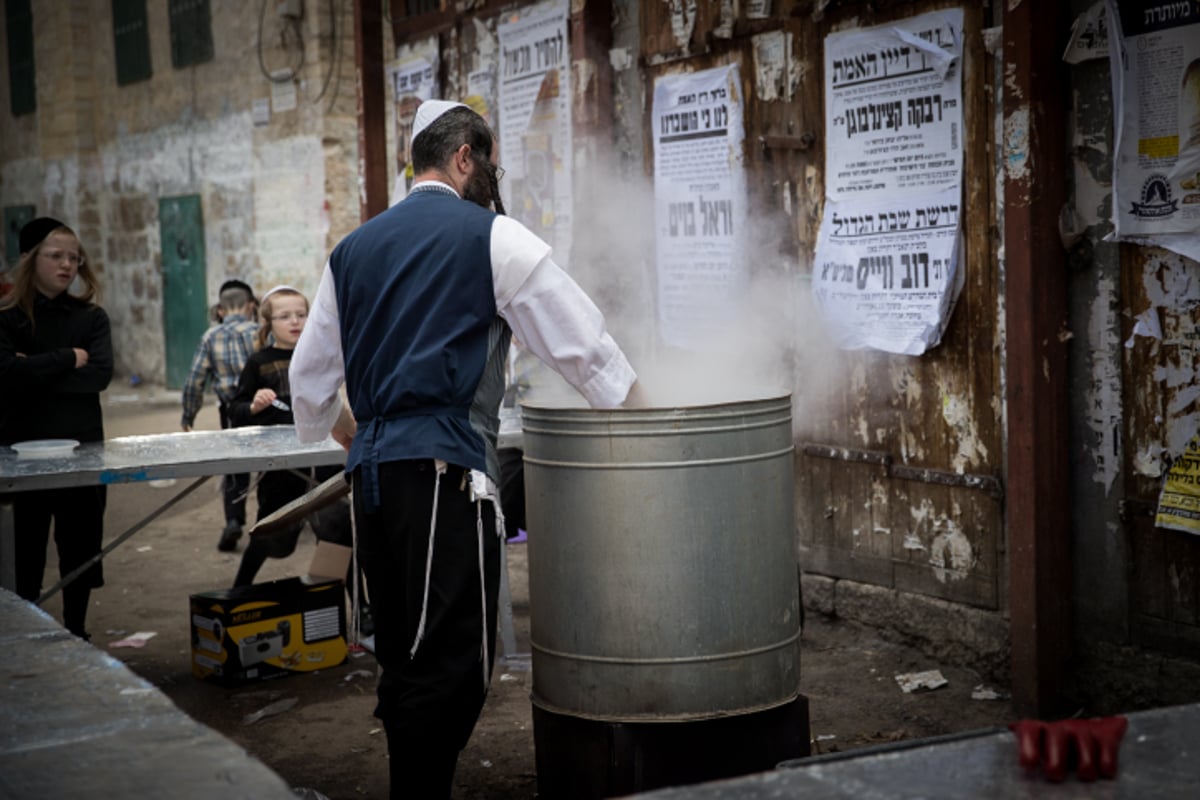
pixel 233 487
pixel 275 490
pixel 512 490
pixel 78 517
pixel 430 702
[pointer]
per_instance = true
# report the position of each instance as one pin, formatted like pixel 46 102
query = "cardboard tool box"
pixel 268 630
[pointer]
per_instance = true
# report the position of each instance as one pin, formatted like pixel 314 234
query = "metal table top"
pixel 168 455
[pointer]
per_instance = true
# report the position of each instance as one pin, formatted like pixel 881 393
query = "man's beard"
pixel 479 188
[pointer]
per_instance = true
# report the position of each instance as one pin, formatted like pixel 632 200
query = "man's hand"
pixel 344 428
pixel 1092 742
pixel 81 357
pixel 636 397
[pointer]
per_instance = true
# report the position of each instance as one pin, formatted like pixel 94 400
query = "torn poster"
pixel 413 82
pixel 1155 58
pixel 1089 35
pixel 1179 500
pixel 699 202
pixel 886 273
pixel 535 121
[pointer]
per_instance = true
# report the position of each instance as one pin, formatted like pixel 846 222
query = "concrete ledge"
pixel 951 632
pixel 75 722
pixel 1157 759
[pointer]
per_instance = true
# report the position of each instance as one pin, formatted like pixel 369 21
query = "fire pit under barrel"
pixel 664 605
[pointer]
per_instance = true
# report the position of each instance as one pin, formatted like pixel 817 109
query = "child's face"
pixel 57 264
pixel 288 313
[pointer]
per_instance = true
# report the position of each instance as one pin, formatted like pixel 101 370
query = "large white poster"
pixel 535 121
pixel 1155 58
pixel 699 201
pixel 886 273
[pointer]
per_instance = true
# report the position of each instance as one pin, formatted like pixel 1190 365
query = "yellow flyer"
pixel 1179 503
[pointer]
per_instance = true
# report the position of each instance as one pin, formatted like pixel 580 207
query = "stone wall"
pixel 275 197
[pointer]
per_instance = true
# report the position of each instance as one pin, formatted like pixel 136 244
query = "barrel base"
pixel 586 758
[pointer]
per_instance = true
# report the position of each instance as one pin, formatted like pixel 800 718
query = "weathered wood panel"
pixel 942 411
pixel 1161 302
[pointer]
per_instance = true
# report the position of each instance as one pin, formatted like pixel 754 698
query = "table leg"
pixel 108 548
pixel 8 546
pixel 508 639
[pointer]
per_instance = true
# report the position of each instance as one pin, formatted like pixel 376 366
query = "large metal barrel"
pixel 662 567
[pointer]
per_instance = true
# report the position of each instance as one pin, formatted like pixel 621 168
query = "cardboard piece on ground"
pixel 329 562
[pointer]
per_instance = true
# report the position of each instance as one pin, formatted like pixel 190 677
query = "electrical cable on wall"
pixel 335 56
pixel 292 25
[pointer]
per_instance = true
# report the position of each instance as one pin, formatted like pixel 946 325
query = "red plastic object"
pixel 1090 744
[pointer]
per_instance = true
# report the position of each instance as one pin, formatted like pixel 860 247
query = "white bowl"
pixel 45 448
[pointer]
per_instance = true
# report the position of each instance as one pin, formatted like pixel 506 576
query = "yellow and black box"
pixel 268 630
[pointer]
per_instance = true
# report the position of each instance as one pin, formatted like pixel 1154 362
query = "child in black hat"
pixel 55 359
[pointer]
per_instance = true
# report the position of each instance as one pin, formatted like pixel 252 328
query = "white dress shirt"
pixel 547 311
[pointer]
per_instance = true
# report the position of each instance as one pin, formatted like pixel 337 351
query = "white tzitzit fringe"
pixel 482 592
pixel 437 483
pixel 355 600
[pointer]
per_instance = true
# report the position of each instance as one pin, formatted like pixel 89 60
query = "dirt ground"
pixel 329 742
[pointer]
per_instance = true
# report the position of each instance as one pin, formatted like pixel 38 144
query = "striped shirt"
pixel 218 361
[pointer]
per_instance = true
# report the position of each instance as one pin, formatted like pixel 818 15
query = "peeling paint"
pixel 1168 280
pixel 620 58
pixel 727 16
pixel 486 44
pixel 912 542
pixel 1148 462
pixel 951 554
pixel 1102 396
pixel 772 66
pixel 906 385
pixel 958 414
pixel 858 389
pixel 851 24
pixel 1017 158
pixel 683 21
pixel 1092 192
pixel 879 496
pixel 583 75
pixel 910 445
pixel 1181 583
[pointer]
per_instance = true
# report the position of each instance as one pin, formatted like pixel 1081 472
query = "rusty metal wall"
pixel 1135 357
pixel 1161 417
pixel 899 459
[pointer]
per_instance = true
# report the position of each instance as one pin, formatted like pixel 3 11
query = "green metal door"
pixel 15 218
pixel 185 305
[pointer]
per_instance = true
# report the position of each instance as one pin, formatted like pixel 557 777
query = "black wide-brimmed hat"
pixel 35 232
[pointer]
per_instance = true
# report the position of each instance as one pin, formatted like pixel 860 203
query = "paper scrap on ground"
pixel 278 707
pixel 914 681
pixel 138 639
pixel 982 692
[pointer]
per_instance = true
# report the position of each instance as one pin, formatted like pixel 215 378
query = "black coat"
pixel 42 394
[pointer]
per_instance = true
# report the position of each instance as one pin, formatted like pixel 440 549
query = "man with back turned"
pixel 414 314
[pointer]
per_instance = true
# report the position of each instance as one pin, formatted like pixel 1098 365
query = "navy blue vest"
pixel 424 349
